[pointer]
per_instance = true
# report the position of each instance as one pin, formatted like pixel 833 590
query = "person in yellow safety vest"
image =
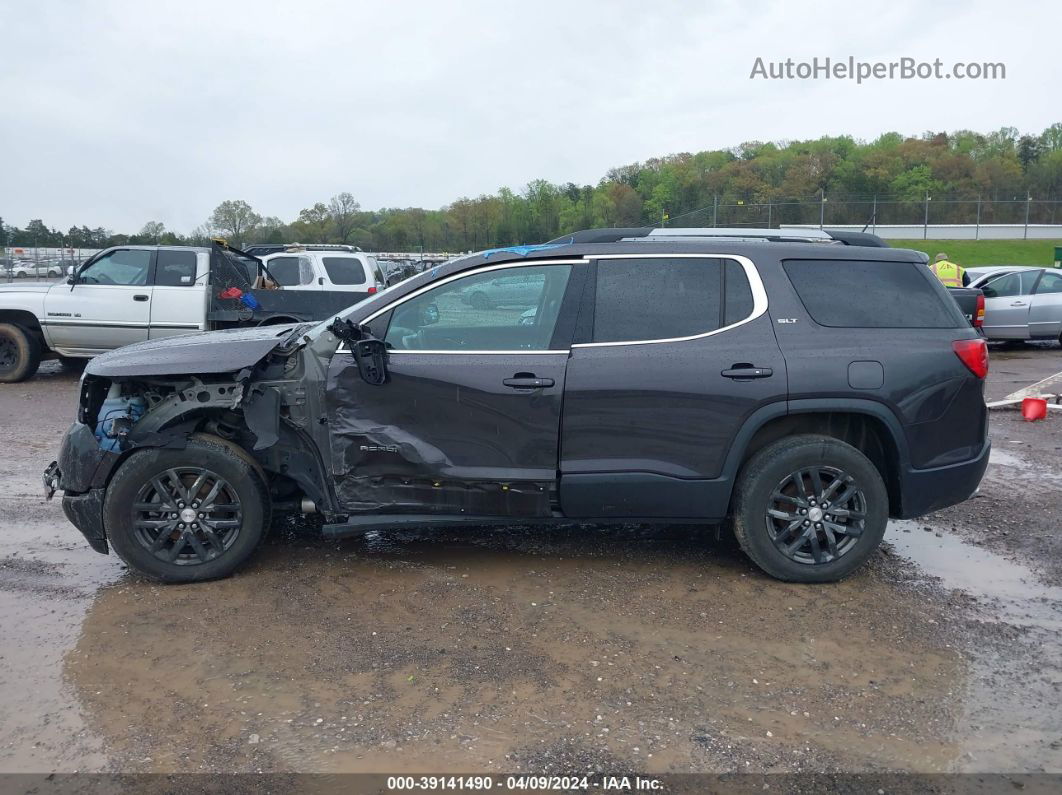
pixel 950 273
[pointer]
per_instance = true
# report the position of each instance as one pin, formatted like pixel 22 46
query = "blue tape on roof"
pixel 523 251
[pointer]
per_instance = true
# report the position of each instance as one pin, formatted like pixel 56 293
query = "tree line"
pixel 786 177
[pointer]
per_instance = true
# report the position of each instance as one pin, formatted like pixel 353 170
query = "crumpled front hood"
pixel 192 354
pixel 21 286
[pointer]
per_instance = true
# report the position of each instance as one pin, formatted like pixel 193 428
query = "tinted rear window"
pixel 656 298
pixel 175 268
pixel 344 270
pixel 862 294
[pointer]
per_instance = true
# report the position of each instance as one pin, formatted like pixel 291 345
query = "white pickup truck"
pixel 129 294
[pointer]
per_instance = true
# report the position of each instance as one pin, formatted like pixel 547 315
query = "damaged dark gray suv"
pixel 799 385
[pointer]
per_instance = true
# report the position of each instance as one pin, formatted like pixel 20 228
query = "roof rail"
pixel 743 233
pixel 671 233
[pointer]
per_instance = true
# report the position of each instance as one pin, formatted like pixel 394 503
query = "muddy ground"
pixel 603 648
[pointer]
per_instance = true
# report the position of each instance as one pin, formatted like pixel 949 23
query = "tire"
pixel 479 301
pixel 20 275
pixel 238 516
pixel 799 553
pixel 73 364
pixel 20 354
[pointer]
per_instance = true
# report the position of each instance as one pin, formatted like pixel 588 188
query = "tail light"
pixel 979 313
pixel 974 354
pixel 372 291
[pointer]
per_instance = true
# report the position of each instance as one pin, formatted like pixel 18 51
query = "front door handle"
pixel 1018 303
pixel 140 297
pixel 527 382
pixel 747 372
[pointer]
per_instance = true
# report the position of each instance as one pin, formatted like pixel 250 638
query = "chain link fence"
pixel 1025 214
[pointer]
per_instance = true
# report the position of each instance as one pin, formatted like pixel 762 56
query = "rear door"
pixel 468 420
pixel 108 307
pixel 1045 314
pixel 179 297
pixel 673 354
pixel 1007 302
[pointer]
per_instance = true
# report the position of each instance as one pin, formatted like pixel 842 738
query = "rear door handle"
pixel 748 372
pixel 526 382
pixel 140 297
pixel 1018 303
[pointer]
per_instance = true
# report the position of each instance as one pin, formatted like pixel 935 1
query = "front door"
pixel 468 420
pixel 678 354
pixel 1007 302
pixel 109 305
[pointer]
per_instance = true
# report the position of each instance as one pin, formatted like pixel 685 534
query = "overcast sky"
pixel 116 113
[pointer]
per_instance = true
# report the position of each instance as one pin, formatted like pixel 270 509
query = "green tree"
pixel 234 220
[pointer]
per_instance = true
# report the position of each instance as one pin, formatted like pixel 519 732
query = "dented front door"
pixel 469 418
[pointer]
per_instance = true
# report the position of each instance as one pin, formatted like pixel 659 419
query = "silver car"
pixel 1022 303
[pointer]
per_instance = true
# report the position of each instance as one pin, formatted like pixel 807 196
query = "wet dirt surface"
pixel 616 649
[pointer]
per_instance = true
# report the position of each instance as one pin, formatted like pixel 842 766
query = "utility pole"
pixel 977 227
pixel 768 213
pixel 715 209
pixel 925 222
pixel 1028 203
pixel 874 216
pixel 822 207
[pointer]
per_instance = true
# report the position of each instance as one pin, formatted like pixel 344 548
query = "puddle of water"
pixel 1011 721
pixel 1007 459
pixel 1014 590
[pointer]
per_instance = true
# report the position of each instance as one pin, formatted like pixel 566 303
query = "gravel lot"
pixel 602 648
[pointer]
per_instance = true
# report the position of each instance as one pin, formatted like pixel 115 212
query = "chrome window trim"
pixel 759 297
pixel 461 275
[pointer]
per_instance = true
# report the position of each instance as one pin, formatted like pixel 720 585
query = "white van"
pixel 323 267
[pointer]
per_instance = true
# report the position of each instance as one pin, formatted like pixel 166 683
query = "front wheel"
pixel 186 515
pixel 810 509
pixel 20 354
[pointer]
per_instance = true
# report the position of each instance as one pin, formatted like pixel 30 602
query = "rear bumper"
pixel 926 490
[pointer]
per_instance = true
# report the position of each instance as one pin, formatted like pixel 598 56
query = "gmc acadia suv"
pixel 799 387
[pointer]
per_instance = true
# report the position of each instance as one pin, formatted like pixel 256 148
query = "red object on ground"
pixel 1033 409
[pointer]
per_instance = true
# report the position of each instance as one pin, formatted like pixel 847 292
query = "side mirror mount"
pixel 369 352
pixel 371 356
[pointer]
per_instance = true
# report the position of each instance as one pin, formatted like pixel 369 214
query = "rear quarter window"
pixel 871 294
pixel 344 270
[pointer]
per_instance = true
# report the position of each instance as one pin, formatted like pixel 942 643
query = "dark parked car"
pixel 798 388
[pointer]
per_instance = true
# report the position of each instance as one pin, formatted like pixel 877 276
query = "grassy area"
pixel 970 253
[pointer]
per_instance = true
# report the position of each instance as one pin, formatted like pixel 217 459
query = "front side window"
pixel 290 271
pixel 661 298
pixel 1015 283
pixel 510 309
pixel 125 267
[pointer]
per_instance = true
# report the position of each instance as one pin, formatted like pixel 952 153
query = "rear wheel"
pixel 186 515
pixel 20 353
pixel 810 509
